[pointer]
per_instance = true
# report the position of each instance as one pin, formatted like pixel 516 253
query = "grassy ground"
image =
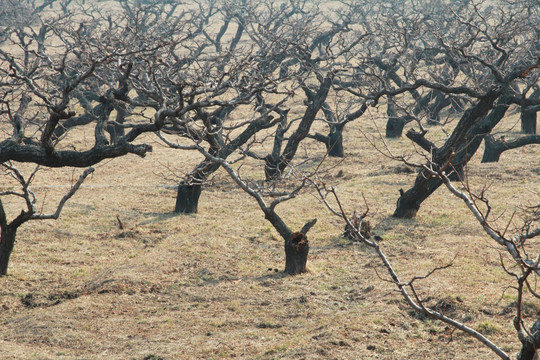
pixel 210 286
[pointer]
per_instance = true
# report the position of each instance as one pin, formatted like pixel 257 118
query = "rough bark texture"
pixel 296 253
pixel 187 199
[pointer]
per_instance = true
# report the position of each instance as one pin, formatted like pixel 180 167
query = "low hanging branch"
pixel 407 289
pixel 66 197
pixel 511 245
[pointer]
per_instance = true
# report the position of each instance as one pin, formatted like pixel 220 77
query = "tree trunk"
pixel 315 103
pixel 474 125
pixel 187 199
pixel 333 142
pixel 296 244
pixel 116 131
pixel 395 124
pixel 531 343
pixel 441 101
pixel 495 147
pixel 528 121
pixel 409 201
pixel 271 170
pixel 492 150
pixel 334 146
pixel 528 115
pixel 7 241
pixel 394 127
pixel 296 253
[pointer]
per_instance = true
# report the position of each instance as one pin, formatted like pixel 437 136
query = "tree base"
pixel 187 199
pixel 296 253
pixel 7 241
pixel 394 127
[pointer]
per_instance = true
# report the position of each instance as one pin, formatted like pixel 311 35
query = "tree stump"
pixel 296 253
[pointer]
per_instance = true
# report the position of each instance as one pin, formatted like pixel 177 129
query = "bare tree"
pixel 9 228
pixel 296 244
pixel 490 80
pixel 520 248
pixel 279 52
pixel 498 142
pixel 59 80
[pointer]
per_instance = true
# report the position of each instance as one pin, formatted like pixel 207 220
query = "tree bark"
pixel 316 101
pixel 116 131
pixel 334 144
pixel 495 147
pixel 409 201
pixel 187 199
pixel 394 126
pixel 441 101
pixel 395 123
pixel 528 121
pixel 465 140
pixel 296 253
pixel 531 344
pixel 528 116
pixel 7 241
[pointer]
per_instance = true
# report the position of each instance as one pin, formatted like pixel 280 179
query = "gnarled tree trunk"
pixel 495 147
pixel 465 140
pixel 333 142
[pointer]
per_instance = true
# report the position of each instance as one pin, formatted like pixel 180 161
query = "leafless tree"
pixel 491 52
pixel 296 244
pixel 279 53
pixel 521 264
pixel 68 72
pixel 8 227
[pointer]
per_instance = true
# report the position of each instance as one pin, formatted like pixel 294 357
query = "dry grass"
pixel 204 286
